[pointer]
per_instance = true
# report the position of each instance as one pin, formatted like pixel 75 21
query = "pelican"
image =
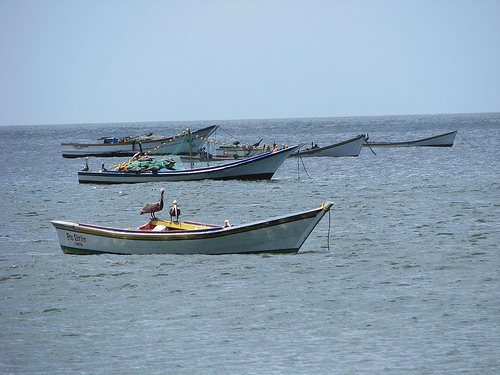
pixel 151 208
pixel 86 168
pixel 102 168
pixel 174 211
pixel 138 153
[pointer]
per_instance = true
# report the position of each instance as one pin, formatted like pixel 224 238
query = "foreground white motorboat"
pixel 282 234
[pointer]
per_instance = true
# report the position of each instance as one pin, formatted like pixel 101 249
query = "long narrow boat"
pixel 283 234
pixel 227 152
pixel 442 140
pixel 129 146
pixel 258 167
pixel 351 147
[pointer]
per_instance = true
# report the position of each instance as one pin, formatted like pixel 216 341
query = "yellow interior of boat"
pixel 163 225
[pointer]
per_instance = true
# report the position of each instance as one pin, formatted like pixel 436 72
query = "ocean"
pixel 401 277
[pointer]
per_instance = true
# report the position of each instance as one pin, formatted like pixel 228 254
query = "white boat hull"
pixel 443 140
pixel 281 234
pixel 258 167
pixel 351 147
pixel 173 145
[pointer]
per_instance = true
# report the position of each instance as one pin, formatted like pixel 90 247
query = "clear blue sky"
pixel 125 61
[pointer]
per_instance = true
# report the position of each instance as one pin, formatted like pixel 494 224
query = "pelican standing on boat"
pixel 174 211
pixel 138 153
pixel 151 208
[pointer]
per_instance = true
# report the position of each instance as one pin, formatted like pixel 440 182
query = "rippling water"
pixel 407 280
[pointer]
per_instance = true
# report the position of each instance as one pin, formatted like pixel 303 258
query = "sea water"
pixel 401 277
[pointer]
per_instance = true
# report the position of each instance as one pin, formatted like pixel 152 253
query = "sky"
pixel 106 61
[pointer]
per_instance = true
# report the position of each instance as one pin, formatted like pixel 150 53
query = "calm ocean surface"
pixel 406 283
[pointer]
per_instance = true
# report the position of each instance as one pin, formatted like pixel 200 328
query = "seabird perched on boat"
pixel 257 144
pixel 102 168
pixel 86 168
pixel 151 208
pixel 174 211
pixel 138 153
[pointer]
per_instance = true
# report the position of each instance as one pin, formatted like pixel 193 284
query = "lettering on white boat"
pixel 77 239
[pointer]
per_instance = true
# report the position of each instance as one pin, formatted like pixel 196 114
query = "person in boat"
pixel 171 164
pixel 313 146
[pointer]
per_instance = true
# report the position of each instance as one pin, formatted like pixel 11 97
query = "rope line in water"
pixel 466 141
pixel 302 160
pixel 329 224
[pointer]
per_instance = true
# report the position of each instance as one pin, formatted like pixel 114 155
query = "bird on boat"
pixel 151 208
pixel 102 168
pixel 138 153
pixel 257 144
pixel 174 211
pixel 86 168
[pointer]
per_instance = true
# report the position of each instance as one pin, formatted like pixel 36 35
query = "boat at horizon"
pixel 442 140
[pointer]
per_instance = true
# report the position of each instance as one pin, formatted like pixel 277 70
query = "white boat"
pixel 181 144
pixel 228 152
pixel 283 234
pixel 442 140
pixel 254 168
pixel 223 153
pixel 351 147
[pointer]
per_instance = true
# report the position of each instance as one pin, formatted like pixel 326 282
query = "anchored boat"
pixel 442 140
pixel 282 234
pixel 254 168
pixel 351 147
pixel 128 146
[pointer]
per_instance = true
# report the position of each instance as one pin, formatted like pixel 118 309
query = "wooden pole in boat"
pixel 190 150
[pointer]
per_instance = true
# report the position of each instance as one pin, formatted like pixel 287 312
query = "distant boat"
pixel 261 166
pixel 229 152
pixel 128 146
pixel 234 151
pixel 283 234
pixel 351 147
pixel 443 140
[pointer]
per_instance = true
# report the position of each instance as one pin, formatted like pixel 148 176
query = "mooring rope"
pixel 365 138
pixel 329 224
pixel 300 157
pixel 465 139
